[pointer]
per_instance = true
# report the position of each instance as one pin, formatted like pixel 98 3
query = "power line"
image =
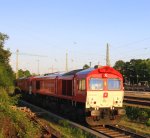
pixel 134 42
pixel 129 51
pixel 66 61
pixel 25 54
pixel 28 54
pixel 133 52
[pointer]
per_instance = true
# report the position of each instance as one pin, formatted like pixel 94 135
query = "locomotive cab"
pixel 104 98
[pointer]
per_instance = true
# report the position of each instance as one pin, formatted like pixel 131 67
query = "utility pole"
pixel 90 63
pixel 66 61
pixel 38 66
pixel 17 53
pixel 107 56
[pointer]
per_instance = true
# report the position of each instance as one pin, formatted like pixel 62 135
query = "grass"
pixel 135 126
pixel 68 131
pixel 1 134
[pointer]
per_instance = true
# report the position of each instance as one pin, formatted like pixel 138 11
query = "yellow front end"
pixel 104 99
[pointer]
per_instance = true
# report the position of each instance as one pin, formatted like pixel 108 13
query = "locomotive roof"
pixel 54 73
pixel 103 69
pixel 50 75
pixel 85 71
pixel 22 78
pixel 73 72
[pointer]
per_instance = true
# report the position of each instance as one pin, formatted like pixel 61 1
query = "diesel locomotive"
pixel 94 94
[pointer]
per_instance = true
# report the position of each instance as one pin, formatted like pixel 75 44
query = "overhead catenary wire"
pixel 126 55
pixel 26 54
pixel 131 43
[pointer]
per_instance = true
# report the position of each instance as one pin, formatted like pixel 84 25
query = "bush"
pixel 6 78
pixel 148 122
pixel 132 113
pixel 21 124
pixel 138 114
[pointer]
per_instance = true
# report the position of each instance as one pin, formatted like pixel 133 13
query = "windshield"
pixel 114 84
pixel 96 84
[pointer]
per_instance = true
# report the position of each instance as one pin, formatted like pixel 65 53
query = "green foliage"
pixel 135 71
pixel 1 134
pixel 138 115
pixel 6 73
pixel 148 122
pixel 23 126
pixel 86 66
pixel 6 77
pixel 119 65
pixel 25 73
pixel 74 132
pixel 4 54
pixel 4 98
pixel 132 113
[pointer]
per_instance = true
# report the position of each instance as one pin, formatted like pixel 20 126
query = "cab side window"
pixel 82 84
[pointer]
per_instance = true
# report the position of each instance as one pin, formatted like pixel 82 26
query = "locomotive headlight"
pixel 94 102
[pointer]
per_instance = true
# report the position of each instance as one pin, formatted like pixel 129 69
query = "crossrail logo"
pixel 105 95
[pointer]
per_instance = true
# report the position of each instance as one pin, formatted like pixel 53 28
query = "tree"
pixel 119 65
pixel 25 73
pixel 6 73
pixel 86 66
pixel 134 71
pixel 4 54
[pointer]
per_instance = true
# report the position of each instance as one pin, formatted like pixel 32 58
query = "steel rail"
pixel 137 94
pixel 116 132
pixel 137 99
pixel 135 105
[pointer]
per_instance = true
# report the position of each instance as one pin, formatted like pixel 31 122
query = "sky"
pixel 82 28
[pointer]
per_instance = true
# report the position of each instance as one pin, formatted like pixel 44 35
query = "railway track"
pixel 137 99
pixel 137 94
pixel 98 131
pixel 116 132
pixel 40 111
pixel 47 131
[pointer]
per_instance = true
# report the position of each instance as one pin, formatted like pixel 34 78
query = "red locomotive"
pixel 96 94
